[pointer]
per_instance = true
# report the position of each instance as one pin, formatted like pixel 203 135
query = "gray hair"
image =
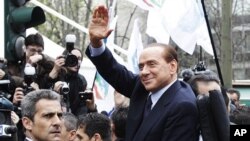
pixel 28 104
pixel 70 121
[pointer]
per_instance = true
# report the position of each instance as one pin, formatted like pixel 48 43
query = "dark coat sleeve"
pixel 113 72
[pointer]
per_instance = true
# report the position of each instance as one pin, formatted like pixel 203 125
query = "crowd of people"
pixel 47 105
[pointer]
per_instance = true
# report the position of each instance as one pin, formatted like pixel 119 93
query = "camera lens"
pixel 71 60
pixel 64 89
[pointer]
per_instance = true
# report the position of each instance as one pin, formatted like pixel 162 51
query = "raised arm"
pixel 98 28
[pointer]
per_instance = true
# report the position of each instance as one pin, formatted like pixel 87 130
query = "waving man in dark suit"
pixel 172 112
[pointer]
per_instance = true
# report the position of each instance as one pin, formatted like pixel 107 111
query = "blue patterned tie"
pixel 147 107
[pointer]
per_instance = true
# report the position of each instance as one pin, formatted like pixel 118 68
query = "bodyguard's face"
pixel 81 135
pixel 67 135
pixel 155 72
pixel 234 98
pixel 46 125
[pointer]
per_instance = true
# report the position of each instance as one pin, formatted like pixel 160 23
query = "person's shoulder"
pixel 184 85
pixel 82 78
pixel 185 89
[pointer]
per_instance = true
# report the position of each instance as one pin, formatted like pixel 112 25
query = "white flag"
pixel 135 48
pixel 155 27
pixel 203 36
pixel 185 23
pixel 142 4
pixel 183 20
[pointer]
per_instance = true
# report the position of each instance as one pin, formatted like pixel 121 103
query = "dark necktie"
pixel 147 107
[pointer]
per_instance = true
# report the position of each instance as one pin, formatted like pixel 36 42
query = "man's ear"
pixel 96 137
pixel 72 135
pixel 173 66
pixel 113 131
pixel 27 123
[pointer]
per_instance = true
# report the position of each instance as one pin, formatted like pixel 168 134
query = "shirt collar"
pixel 28 139
pixel 157 95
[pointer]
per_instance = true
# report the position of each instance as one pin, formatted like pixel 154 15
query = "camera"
pixel 4 88
pixel 3 63
pixel 29 77
pixel 86 95
pixel 6 127
pixel 186 74
pixel 70 59
pixel 201 68
pixel 64 89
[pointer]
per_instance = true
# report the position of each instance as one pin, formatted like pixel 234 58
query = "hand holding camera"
pixel 2 74
pixel 3 66
pixel 88 96
pixel 61 87
pixel 18 96
pixel 35 58
pixel 59 62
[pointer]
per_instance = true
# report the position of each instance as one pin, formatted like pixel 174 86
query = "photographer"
pixel 34 46
pixel 7 84
pixel 18 96
pixel 63 75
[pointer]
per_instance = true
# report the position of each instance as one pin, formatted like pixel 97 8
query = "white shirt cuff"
pixel 97 51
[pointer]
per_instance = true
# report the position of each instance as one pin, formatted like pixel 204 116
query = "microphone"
pixel 186 74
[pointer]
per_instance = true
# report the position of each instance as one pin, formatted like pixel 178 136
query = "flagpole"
pixel 212 42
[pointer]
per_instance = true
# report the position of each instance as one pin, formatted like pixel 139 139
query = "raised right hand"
pixel 98 28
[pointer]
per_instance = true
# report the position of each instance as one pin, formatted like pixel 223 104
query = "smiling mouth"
pixel 146 81
pixel 55 132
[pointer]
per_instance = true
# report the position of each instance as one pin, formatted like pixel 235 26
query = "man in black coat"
pixel 172 114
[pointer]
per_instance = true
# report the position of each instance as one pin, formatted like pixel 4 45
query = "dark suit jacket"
pixel 173 118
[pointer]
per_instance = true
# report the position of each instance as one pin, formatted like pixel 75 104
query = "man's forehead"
pixel 48 105
pixel 35 46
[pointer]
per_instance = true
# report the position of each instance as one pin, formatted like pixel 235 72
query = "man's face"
pixel 234 98
pixel 78 54
pixel 155 72
pixel 204 87
pixel 46 125
pixel 33 50
pixel 81 135
pixel 67 135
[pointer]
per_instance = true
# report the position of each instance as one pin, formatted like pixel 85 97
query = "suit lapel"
pixel 156 114
pixel 135 116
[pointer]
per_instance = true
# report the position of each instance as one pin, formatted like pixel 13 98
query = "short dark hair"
pixel 34 39
pixel 95 123
pixel 119 119
pixel 232 90
pixel 201 77
pixel 169 51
